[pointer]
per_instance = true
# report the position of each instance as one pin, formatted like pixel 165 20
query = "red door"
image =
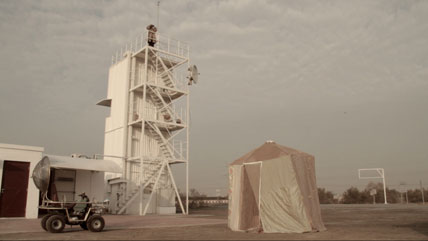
pixel 13 197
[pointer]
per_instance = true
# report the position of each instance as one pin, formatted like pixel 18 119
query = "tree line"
pixel 355 196
pixel 350 196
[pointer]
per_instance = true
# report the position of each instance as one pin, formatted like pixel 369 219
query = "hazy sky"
pixel 346 81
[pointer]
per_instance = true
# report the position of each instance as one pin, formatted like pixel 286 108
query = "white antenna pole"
pixel 157 23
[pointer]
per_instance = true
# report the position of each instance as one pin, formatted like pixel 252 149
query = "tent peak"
pixel 270 142
pixel 269 150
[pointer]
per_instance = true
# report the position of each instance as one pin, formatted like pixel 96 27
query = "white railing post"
pixel 178 47
pixel 181 150
pixel 169 40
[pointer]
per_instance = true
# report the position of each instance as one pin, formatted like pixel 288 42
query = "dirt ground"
pixel 344 222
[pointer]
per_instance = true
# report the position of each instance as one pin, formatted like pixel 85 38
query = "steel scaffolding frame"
pixel 150 111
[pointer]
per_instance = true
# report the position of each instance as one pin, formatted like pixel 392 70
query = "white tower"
pixel 148 127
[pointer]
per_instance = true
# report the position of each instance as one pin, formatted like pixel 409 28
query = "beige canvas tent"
pixel 273 188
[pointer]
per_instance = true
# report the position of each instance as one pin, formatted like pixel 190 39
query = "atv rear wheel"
pixel 44 220
pixel 55 223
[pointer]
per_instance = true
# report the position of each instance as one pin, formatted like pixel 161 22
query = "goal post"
pixel 374 173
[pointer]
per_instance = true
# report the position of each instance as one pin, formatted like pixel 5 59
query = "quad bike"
pixel 60 213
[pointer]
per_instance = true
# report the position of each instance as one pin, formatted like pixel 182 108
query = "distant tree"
pixel 415 195
pixel 351 195
pixel 326 197
pixel 365 197
pixel 392 195
pixel 194 193
pixel 374 185
pixel 379 196
pixel 181 194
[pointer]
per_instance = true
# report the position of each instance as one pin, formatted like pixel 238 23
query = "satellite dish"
pixel 193 74
pixel 41 174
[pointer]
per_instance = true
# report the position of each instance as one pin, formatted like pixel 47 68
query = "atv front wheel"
pixel 95 223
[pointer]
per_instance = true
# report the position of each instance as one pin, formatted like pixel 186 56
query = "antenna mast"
pixel 157 23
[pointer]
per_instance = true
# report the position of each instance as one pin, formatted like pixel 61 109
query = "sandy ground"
pixel 344 222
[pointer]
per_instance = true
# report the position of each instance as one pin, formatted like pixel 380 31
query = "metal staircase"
pixel 164 73
pixel 149 182
pixel 162 106
pixel 163 143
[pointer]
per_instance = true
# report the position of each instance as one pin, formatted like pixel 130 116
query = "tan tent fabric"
pixel 249 202
pixel 253 173
pixel 285 184
pixel 282 208
pixel 234 197
pixel 304 164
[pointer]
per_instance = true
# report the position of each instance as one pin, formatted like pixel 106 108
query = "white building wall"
pixel 134 208
pixel 65 184
pixel 91 183
pixel 113 146
pixel 30 154
pixel 116 126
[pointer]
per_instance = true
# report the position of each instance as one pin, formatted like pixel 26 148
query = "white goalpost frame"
pixel 381 173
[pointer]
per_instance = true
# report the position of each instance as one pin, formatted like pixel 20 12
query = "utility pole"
pixel 422 191
pixel 402 188
pixel 407 198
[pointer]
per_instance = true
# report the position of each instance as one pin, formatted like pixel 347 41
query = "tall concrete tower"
pixel 148 127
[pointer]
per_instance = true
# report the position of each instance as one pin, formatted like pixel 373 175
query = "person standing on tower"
pixel 151 38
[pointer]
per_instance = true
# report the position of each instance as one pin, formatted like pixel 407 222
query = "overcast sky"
pixel 346 81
